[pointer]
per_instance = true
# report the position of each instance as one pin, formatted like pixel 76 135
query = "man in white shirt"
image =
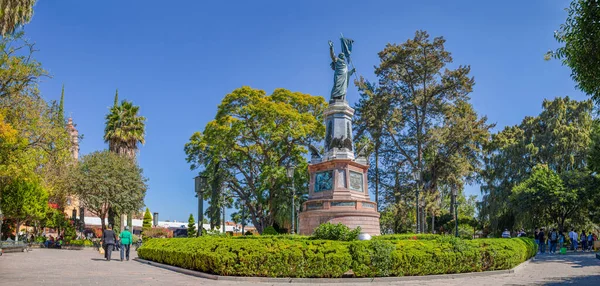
pixel 506 234
pixel 574 239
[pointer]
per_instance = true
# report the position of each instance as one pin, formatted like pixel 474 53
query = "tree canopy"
pixel 105 180
pixel 245 150
pixel 420 121
pixel 13 14
pixel 559 138
pixel 580 35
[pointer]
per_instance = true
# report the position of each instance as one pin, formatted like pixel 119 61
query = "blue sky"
pixel 178 60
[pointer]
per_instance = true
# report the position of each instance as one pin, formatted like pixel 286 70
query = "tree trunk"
pixel 377 176
pixel 432 222
pixel 102 223
pixel 18 223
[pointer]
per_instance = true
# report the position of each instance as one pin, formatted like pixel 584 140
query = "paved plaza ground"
pixel 86 267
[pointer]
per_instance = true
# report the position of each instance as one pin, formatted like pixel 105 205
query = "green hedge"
pixel 81 242
pixel 271 257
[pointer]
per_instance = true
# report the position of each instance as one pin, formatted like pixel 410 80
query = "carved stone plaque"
pixel 356 181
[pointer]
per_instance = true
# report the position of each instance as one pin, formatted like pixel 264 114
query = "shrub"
pixel 269 230
pixel 157 232
pixel 338 231
pixel 266 257
pixel 407 236
pixel 81 242
pixel 298 256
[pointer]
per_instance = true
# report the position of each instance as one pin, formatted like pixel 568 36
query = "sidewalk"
pixel 86 267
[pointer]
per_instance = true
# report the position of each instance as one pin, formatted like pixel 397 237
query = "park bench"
pixel 12 246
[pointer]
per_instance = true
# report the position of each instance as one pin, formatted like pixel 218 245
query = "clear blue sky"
pixel 177 61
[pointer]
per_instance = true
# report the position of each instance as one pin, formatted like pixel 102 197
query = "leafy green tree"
pixel 191 229
pixel 34 143
pixel 580 35
pixel 13 14
pixel 559 137
pixel 546 197
pixel 105 180
pixel 24 200
pixel 415 115
pixel 251 141
pixel 125 128
pixel 147 220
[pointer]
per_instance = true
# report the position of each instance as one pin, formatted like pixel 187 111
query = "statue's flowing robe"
pixel 340 79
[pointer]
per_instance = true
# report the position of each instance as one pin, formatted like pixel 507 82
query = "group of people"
pixel 54 243
pixel 110 242
pixel 557 238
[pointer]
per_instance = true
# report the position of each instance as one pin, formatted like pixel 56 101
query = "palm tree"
pixel 125 128
pixel 13 14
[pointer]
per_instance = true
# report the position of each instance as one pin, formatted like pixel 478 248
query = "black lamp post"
pixel 290 175
pixel 455 195
pixel 200 183
pixel 417 178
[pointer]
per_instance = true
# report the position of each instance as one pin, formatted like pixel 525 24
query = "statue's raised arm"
pixel 331 53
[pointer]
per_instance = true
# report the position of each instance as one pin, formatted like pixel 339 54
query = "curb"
pixel 332 280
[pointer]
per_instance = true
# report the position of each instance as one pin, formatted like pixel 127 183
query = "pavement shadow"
pixel 573 260
pixel 104 259
pixel 581 280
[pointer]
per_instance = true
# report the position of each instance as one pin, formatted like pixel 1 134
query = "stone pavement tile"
pixel 87 267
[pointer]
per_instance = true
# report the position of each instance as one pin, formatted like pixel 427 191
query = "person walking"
pixel 536 239
pixel 574 239
pixel 590 241
pixel 553 241
pixel 542 238
pixel 108 241
pixel 583 241
pixel 126 241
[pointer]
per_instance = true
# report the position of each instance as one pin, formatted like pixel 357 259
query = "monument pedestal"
pixel 338 190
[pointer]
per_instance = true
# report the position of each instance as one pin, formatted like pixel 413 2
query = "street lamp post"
pixel 290 175
pixel 417 177
pixel 200 183
pixel 455 195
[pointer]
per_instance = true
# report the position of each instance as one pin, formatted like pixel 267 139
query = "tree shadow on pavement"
pixel 573 260
pixel 581 280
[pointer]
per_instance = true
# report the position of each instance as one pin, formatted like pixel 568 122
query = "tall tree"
pixel 39 144
pixel 580 35
pixel 13 14
pixel 105 180
pixel 559 137
pixel 125 129
pixel 370 110
pixel 412 107
pixel 253 138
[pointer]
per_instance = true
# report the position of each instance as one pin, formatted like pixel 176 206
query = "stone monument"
pixel 338 190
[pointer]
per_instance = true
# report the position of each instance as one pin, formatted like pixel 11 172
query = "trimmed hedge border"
pixel 304 258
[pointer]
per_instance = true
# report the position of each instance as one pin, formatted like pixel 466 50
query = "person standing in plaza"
pixel 126 241
pixel 542 239
pixel 553 241
pixel 574 237
pixel 536 239
pixel 108 241
pixel 583 241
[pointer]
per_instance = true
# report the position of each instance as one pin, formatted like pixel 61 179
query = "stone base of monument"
pixel 338 193
pixel 350 213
